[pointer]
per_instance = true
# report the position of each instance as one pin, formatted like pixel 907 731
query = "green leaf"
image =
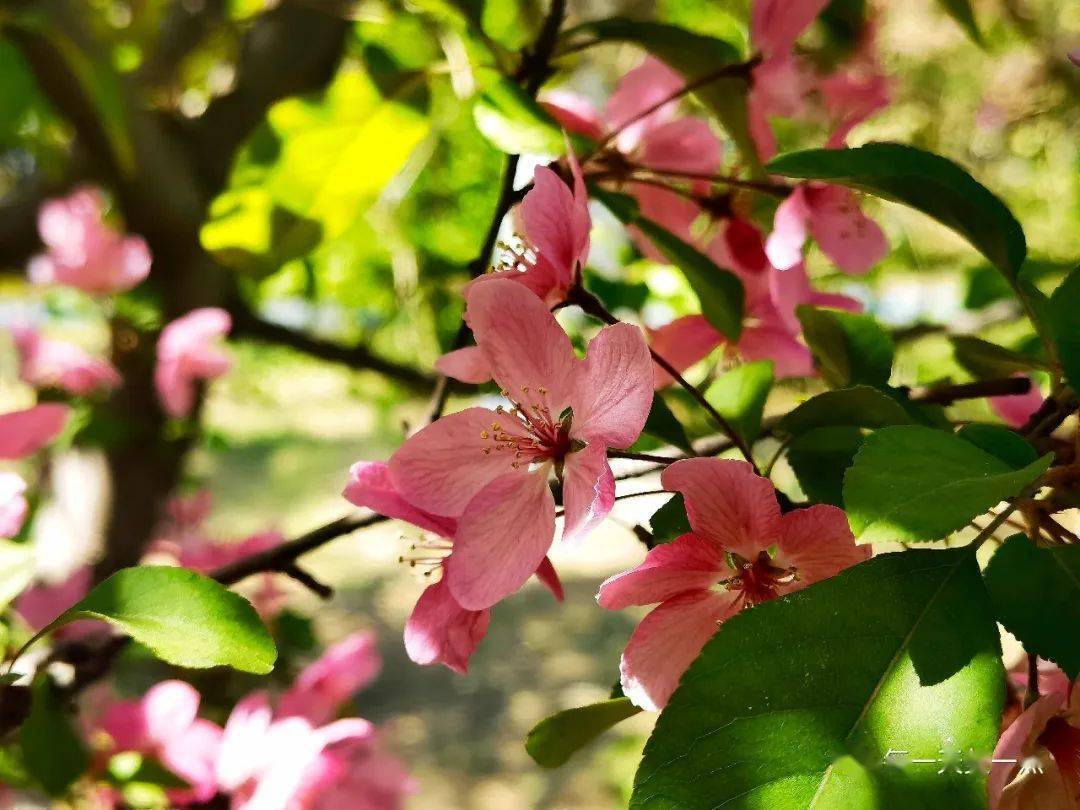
pixel 184 618
pixel 986 360
pixel 16 570
pixel 662 424
pixel 797 702
pixel 719 291
pixel 850 349
pixel 911 483
pixel 53 752
pixel 739 395
pixel 1064 304
pixel 554 740
pixel 859 406
pixel 669 521
pixel 1000 441
pixel 819 459
pixel 512 121
pixel 1036 592
pixel 961 11
pixel 925 181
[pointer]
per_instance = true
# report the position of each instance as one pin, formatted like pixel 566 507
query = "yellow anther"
pixel 542 390
pixel 484 434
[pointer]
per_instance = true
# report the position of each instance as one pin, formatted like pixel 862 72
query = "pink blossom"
pixel 490 469
pixel 164 724
pixel 13 505
pixel 733 514
pixel 187 354
pixel 40 604
pixel 83 251
pixel 342 671
pixel 23 433
pixel 1015 410
pixel 857 90
pixel 55 363
pixel 361 777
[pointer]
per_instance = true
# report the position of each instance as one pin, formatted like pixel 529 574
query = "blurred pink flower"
pixel 59 364
pixel 323 686
pixel 83 251
pixel 186 354
pixel 13 505
pixel 23 433
pixel 500 495
pixel 40 604
pixel 1017 409
pixel 734 515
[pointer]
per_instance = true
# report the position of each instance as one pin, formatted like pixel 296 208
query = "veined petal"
pixel 683 342
pixel 442 467
pixel 371 486
pixel 502 538
pixel 687 563
pixel 524 344
pixel 817 541
pixel 588 491
pixel 468 365
pixel 843 232
pixel 440 631
pixel 727 503
pixel 614 391
pixel 552 217
pixel 668 640
pixel 23 433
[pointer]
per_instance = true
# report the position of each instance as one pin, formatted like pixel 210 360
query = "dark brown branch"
pixel 308 580
pixel 947 394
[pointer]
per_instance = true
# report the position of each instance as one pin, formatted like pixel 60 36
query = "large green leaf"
pixel 662 424
pixel 925 181
pixel 554 740
pixel 830 697
pixel 184 618
pixel 670 520
pixel 1064 304
pixel 53 753
pixel 912 483
pixel 859 406
pixel 850 349
pixel 1036 592
pixel 820 457
pixel 513 122
pixel 739 395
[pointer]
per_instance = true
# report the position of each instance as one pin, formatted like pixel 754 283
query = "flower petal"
pixel 442 467
pixel 169 708
pixel 547 574
pixel 588 491
pixel 770 341
pixel 23 433
pixel 468 365
pixel 667 641
pixel 683 342
pixel 642 88
pixel 502 538
pixel 687 563
pixel 843 232
pixel 573 113
pixel 818 542
pixel 440 631
pixel 727 503
pixel 556 221
pixel 371 486
pixel 1017 409
pixel 1017 742
pixel 776 24
pixel 323 686
pixel 524 344
pixel 790 227
pixel 614 391
pixel 13 504
pixel 193 755
pixel 682 145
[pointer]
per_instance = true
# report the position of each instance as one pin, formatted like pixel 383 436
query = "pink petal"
pixel 640 89
pixel 41 604
pixel 441 468
pixel 502 538
pixel 192 756
pixel 186 354
pixel 523 343
pixel 666 208
pixel 440 631
pixel 244 743
pixel 169 708
pixel 556 222
pixel 1018 741
pixel 843 232
pixel 371 486
pixel 323 686
pixel 727 503
pixel 790 227
pixel 588 491
pixel 125 724
pixel 667 641
pixel 135 262
pixel 467 365
pixel 683 343
pixel 757 112
pixel 547 574
pixel 573 113
pixel 23 433
pixel 1016 410
pixel 614 389
pixel 769 341
pixel 682 145
pixel 13 505
pixel 818 542
pixel 776 24
pixel 687 563
pixel 347 731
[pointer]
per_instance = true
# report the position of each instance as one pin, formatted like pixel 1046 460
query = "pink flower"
pixel 83 251
pixel 164 724
pixel 832 216
pixel 735 520
pixel 13 505
pixel 41 604
pixel 59 364
pixel 360 777
pixel 23 433
pixel 342 671
pixel 187 354
pixel 1015 410
pixel 776 24
pixel 857 90
pixel 490 469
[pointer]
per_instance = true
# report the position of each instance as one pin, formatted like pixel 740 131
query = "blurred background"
pixel 316 165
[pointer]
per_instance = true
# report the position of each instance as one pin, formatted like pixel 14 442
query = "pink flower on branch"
pixel 741 551
pixel 186 354
pixel 48 363
pixel 83 251
pixel 23 433
pixel 490 468
pixel 323 686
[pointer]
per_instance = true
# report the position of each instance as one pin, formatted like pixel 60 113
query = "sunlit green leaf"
pixel 554 740
pixel 849 348
pixel 859 406
pixel 509 118
pixel 739 395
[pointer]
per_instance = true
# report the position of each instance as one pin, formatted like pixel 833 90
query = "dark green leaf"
pixel 663 425
pixel 986 360
pixel 998 440
pixel 797 702
pixel 185 618
pixel 911 483
pixel 985 286
pixel 961 11
pixel 1064 306
pixel 820 457
pixel 554 740
pixel 53 752
pixel 670 521
pixel 850 349
pixel 1036 592
pixel 860 406
pixel 739 395
pixel 515 123
pixel 925 181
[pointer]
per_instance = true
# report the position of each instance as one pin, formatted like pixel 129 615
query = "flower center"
pixel 426 556
pixel 529 433
pixel 759 580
